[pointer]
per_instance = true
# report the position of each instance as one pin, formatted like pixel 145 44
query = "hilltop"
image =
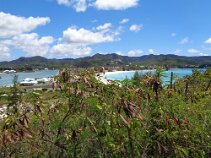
pixel 109 60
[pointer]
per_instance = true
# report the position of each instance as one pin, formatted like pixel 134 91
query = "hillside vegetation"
pixel 108 60
pixel 133 118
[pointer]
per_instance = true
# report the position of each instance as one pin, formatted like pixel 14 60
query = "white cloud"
pixel 184 40
pixel 115 4
pixel 84 36
pixel 177 51
pixel 135 52
pixel 173 34
pixel 4 53
pixel 136 28
pixel 15 30
pixel 80 6
pixel 119 53
pixel 31 44
pixel 70 50
pixel 204 54
pixel 106 27
pixel 76 41
pixel 124 21
pixel 151 51
pixel 64 2
pixel 208 41
pixel 118 31
pixel 192 51
pixel 11 25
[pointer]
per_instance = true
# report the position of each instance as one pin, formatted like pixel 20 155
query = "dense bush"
pixel 137 118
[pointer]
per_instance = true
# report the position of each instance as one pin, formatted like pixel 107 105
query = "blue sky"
pixel 77 28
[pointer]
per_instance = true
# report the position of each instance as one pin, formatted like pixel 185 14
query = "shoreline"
pixel 116 72
pixel 6 79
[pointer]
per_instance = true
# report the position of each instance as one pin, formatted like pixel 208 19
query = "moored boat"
pixel 28 82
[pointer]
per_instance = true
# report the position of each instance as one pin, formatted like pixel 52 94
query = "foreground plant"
pixel 137 118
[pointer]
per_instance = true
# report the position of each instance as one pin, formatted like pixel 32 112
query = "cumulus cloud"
pixel 78 5
pixel 115 4
pixel 193 50
pixel 184 40
pixel 64 2
pixel 135 52
pixel 204 54
pixel 119 53
pixel 81 5
pixel 31 44
pixel 76 42
pixel 116 52
pixel 105 27
pixel 84 36
pixel 11 25
pixel 136 28
pixel 124 21
pixel 70 50
pixel 16 35
pixel 151 51
pixel 208 41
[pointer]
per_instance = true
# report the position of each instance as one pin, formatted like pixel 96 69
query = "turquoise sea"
pixel 6 79
pixel 121 75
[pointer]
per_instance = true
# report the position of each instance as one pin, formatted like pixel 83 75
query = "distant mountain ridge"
pixel 107 60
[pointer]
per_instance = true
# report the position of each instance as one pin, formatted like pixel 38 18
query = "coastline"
pixel 116 72
pixel 121 75
pixel 6 79
pixel 103 78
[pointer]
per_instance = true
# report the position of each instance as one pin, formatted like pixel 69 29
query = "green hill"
pixel 109 60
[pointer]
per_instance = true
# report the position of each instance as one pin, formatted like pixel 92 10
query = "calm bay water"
pixel 121 75
pixel 6 79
